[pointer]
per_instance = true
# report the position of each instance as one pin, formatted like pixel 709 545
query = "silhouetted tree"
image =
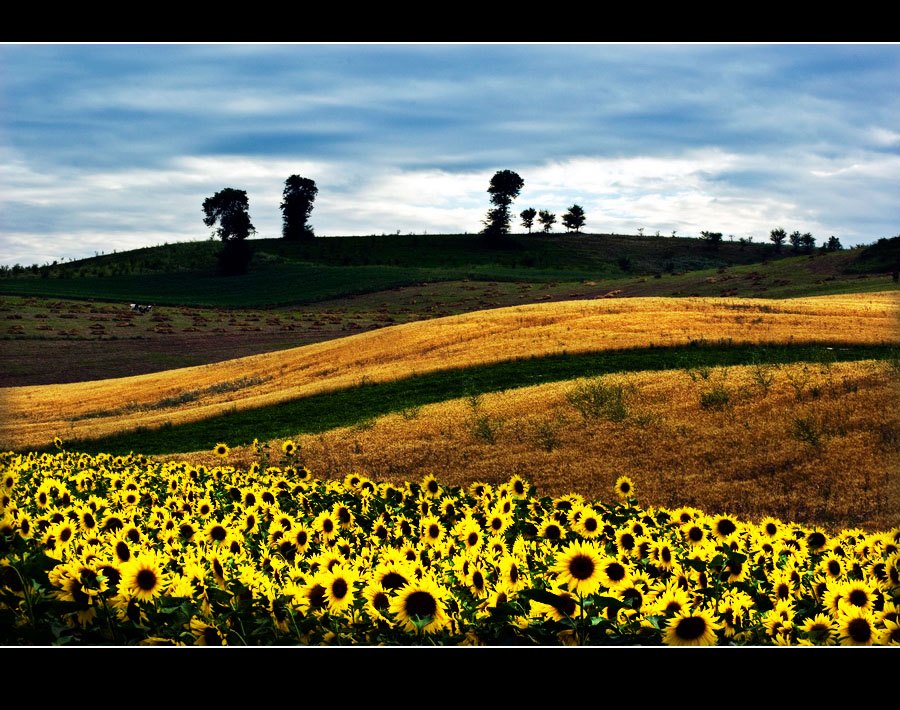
pixel 528 218
pixel 795 239
pixel 299 195
pixel 807 242
pixel 833 244
pixel 229 208
pixel 712 239
pixel 547 219
pixel 574 218
pixel 504 188
pixel 777 237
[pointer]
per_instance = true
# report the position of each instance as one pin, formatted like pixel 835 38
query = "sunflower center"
pixel 420 603
pixel 816 540
pixel 513 574
pixel 553 532
pixel 726 527
pixel 434 531
pixel 858 597
pixel 122 551
pixel 381 601
pixel 478 580
pixel 393 580
pixel 590 524
pixel 146 580
pixel 615 572
pixel 859 630
pixel 218 533
pixel 834 568
pixel 693 627
pixel 695 534
pixel 581 567
pixel 339 588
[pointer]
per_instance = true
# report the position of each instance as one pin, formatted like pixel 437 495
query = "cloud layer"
pixel 108 147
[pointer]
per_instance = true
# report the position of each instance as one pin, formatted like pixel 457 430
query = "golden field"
pixel 32 416
pixel 816 444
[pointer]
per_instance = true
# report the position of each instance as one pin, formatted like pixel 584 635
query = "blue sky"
pixel 108 147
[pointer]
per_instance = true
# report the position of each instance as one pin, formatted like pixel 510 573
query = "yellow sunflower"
pixel 691 628
pixel 421 601
pixel 144 577
pixel 579 566
pixel 221 450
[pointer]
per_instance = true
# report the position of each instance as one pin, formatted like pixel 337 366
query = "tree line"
pixel 229 208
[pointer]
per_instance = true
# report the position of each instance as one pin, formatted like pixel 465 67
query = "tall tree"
pixel 504 188
pixel 547 219
pixel 777 237
pixel 296 206
pixel 229 208
pixel 528 218
pixel 574 218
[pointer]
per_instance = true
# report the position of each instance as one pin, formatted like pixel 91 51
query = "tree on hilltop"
pixel 228 208
pixel 528 218
pixel 504 188
pixel 296 207
pixel 547 219
pixel 777 237
pixel 574 218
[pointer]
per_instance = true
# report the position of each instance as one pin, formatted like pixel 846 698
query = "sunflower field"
pixel 122 550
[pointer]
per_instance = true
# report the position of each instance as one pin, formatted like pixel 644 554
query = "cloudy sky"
pixel 108 147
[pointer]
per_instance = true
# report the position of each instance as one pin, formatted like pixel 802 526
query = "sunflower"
pixel 339 593
pixel 566 608
pixel 820 629
pixel 288 448
pixel 430 486
pixel 511 578
pixel 326 525
pixel 144 577
pixel 857 594
pixel 377 601
pixel 624 488
pixel 691 628
pixel 221 450
pixel 393 575
pixel 421 601
pixel 614 575
pixel 724 527
pixel 431 530
pixel 206 634
pixel 587 523
pixel 579 566
pixel 856 627
pixel 551 530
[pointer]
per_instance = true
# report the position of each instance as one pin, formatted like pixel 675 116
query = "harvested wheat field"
pixel 34 415
pixel 815 444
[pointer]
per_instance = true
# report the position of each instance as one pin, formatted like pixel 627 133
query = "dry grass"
pixel 817 445
pixel 34 415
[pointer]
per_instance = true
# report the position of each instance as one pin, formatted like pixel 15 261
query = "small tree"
pixel 777 237
pixel 574 218
pixel 807 242
pixel 504 188
pixel 547 219
pixel 528 218
pixel 712 239
pixel 296 206
pixel 834 244
pixel 795 239
pixel 229 208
